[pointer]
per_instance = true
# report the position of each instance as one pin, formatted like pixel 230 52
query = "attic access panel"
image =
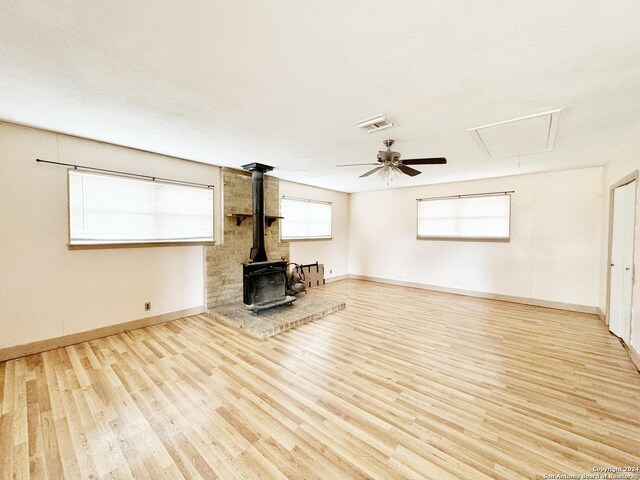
pixel 519 136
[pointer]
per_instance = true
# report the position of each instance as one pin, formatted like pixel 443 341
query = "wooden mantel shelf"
pixel 269 219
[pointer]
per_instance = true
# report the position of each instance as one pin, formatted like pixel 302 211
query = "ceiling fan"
pixel 389 164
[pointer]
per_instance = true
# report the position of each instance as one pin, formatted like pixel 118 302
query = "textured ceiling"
pixel 284 82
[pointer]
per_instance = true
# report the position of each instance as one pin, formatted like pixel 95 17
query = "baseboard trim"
pixel 336 278
pixel 40 346
pixel 635 356
pixel 601 315
pixel 492 296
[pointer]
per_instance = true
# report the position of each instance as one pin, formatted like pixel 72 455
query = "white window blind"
pixel 113 209
pixel 481 217
pixel 305 219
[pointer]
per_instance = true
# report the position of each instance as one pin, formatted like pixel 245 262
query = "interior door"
pixel 622 260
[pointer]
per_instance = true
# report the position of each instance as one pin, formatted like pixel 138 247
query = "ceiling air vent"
pixel 374 124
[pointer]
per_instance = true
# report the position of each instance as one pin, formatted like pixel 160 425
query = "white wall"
pixel 625 162
pixel 553 254
pixel 46 290
pixel 334 253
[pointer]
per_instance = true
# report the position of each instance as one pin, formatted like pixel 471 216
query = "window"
pixel 305 219
pixel 106 209
pixel 483 217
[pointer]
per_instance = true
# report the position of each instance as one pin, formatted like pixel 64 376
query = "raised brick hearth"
pixel 276 320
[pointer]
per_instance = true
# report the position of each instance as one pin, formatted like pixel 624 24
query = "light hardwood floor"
pixel 403 383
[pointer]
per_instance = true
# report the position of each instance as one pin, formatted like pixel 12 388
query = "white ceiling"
pixel 284 82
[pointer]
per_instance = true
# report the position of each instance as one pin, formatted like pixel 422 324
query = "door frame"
pixel 633 176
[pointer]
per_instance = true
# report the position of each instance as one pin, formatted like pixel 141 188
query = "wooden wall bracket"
pixel 268 219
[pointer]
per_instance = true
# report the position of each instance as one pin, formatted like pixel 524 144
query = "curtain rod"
pixel 139 175
pixel 468 195
pixel 306 200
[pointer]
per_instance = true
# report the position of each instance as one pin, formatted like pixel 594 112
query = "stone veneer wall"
pixel 223 275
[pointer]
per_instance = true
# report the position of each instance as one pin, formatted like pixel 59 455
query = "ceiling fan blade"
pixel 370 172
pixel 412 172
pixel 425 161
pixel 356 164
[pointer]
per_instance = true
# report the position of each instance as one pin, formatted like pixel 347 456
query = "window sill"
pixel 99 246
pixel 468 239
pixel 305 239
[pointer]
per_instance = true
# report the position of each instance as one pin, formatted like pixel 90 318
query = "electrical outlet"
pixel 147 306
pixel 330 272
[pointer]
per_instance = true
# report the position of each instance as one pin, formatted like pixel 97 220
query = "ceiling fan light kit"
pixel 389 173
pixel 390 166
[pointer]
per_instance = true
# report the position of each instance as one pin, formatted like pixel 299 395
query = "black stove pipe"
pixel 258 252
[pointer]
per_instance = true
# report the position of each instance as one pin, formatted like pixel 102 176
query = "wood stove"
pixel 264 282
